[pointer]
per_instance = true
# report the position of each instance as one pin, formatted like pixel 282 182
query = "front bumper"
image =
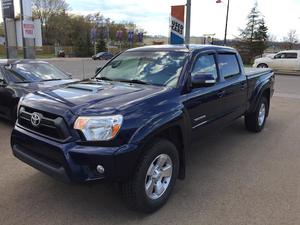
pixel 72 162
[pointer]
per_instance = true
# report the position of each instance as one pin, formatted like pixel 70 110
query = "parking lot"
pixel 233 176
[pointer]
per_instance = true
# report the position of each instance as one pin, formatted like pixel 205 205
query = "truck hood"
pixel 25 88
pixel 92 97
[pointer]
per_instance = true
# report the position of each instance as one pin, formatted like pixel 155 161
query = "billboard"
pixel 8 10
pixel 177 24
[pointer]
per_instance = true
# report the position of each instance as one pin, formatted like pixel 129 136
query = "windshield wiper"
pixel 103 78
pixel 50 79
pixel 133 81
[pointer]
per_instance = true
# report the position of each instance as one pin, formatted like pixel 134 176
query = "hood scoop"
pixel 86 87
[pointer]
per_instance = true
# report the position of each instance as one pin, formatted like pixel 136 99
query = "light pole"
pixel 188 21
pixel 226 24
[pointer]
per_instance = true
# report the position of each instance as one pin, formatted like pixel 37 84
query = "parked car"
pixel 102 56
pixel 61 53
pixel 20 77
pixel 134 121
pixel 285 62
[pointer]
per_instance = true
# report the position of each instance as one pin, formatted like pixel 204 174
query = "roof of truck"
pixel 183 48
pixel 18 61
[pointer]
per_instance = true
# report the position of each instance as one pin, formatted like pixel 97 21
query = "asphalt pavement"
pixel 233 178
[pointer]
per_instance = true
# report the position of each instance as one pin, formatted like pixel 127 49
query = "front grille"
pixel 51 125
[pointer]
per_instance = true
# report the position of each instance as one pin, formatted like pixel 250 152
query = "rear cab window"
pixel 228 65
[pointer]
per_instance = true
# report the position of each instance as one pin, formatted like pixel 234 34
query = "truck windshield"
pixel 33 72
pixel 156 68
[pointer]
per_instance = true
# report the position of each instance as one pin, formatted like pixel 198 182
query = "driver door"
pixel 203 103
pixel 279 62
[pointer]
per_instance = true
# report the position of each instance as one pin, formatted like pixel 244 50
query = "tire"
pixel 255 122
pixel 134 190
pixel 262 65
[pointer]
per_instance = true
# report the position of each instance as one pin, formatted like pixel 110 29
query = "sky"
pixel 208 17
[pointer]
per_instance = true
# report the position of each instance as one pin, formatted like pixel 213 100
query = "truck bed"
pixel 254 72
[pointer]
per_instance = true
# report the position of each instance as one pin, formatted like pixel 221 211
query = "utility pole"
pixel 22 22
pixel 226 25
pixel 188 22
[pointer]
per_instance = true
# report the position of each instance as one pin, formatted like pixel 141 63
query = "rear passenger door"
pixel 286 61
pixel 292 62
pixel 234 100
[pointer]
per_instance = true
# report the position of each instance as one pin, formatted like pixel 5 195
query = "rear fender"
pixel 259 89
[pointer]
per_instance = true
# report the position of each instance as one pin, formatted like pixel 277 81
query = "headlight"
pixel 99 128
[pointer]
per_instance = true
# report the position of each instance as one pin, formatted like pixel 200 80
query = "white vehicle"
pixel 285 61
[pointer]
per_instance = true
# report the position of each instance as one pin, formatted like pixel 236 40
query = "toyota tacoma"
pixel 133 122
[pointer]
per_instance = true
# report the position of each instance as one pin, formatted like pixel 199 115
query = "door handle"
pixel 243 85
pixel 221 93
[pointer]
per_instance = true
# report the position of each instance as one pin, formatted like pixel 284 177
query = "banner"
pixel 177 24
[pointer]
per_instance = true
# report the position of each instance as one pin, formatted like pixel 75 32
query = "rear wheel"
pixel 262 65
pixel 154 178
pixel 255 121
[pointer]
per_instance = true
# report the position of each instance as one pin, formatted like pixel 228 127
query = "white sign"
pixel 28 29
pixel 177 27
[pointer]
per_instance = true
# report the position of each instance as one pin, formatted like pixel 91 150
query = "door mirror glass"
pixel 203 80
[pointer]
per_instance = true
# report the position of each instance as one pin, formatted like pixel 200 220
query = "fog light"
pixel 100 169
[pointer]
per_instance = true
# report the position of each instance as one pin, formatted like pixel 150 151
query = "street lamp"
pixel 226 24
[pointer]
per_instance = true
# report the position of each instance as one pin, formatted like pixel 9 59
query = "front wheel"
pixel 255 121
pixel 262 65
pixel 154 178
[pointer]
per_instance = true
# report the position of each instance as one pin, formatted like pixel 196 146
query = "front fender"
pixel 177 117
pixel 160 122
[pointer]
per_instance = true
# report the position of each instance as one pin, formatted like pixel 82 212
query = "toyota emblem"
pixel 36 119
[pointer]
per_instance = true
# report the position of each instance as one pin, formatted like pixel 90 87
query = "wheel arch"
pixel 263 89
pixel 175 131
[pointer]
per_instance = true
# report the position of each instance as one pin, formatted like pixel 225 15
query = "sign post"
pixel 8 13
pixel 27 29
pixel 177 24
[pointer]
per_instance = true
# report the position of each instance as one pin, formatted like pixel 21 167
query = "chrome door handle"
pixel 221 93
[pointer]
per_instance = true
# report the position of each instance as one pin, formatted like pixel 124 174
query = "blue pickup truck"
pixel 134 121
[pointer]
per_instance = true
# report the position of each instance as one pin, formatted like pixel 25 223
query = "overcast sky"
pixel 207 16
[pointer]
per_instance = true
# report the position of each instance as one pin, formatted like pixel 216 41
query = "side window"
pixel 228 65
pixel 205 64
pixel 281 56
pixel 291 55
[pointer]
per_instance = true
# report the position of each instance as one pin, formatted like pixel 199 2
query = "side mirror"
pixel 203 80
pixel 69 75
pixel 98 69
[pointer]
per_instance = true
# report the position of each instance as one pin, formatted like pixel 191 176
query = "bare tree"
pixel 43 9
pixel 291 38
